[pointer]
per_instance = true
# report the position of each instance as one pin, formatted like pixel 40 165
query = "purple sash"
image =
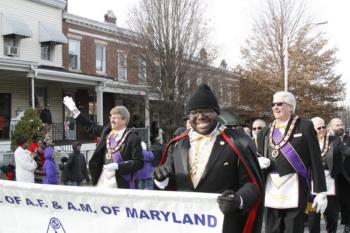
pixel 292 156
pixel 117 158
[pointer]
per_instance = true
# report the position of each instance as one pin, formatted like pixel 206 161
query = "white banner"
pixel 37 208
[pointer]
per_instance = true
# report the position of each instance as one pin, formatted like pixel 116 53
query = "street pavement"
pixel 323 228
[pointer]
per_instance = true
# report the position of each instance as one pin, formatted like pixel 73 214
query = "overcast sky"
pixel 231 23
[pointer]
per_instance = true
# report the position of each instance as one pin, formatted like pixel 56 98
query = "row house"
pixel 101 49
pixel 31 71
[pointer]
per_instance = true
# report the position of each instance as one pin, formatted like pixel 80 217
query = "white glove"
pixel 69 102
pixel 320 202
pixel 111 166
pixel 264 162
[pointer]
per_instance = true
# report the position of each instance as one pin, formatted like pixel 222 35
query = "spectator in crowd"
pixel 157 149
pixel 9 171
pixel 144 175
pixel 50 167
pixel 37 148
pixel 184 128
pixel 75 170
pixel 24 161
pixel 46 118
pixel 118 154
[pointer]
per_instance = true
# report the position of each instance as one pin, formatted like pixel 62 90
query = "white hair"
pixel 333 122
pixel 260 121
pixel 317 119
pixel 287 97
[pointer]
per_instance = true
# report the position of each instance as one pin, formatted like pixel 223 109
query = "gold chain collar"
pixel 281 143
pixel 326 147
pixel 114 149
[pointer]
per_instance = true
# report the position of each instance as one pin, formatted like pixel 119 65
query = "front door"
pixel 5 115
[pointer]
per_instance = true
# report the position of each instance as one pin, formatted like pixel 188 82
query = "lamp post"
pixel 286 45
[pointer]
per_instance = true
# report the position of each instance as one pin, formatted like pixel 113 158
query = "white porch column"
pixel 99 104
pixel 31 76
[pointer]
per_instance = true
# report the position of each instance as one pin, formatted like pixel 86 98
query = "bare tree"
pixel 310 64
pixel 172 33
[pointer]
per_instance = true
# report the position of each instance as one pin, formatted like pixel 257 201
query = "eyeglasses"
pixel 321 127
pixel 115 118
pixel 205 112
pixel 257 128
pixel 279 104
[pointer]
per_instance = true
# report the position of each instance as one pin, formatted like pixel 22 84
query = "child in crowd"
pixel 50 167
pixel 144 175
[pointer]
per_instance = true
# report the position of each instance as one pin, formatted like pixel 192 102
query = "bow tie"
pixel 198 137
pixel 280 126
pixel 114 133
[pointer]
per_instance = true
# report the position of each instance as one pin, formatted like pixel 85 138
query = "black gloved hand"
pixel 160 173
pixel 229 202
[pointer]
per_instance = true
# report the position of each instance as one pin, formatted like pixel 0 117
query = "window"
pixel 74 54
pixel 122 66
pixel 142 69
pixel 47 51
pixel 92 107
pixel 10 45
pixel 100 58
pixel 40 97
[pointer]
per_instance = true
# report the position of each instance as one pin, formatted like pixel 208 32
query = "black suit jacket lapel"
pixel 102 143
pixel 183 155
pixel 215 154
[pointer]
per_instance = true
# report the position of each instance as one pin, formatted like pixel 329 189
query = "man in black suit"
pixel 291 145
pixel 214 159
pixel 343 181
pixel 118 154
pixel 331 160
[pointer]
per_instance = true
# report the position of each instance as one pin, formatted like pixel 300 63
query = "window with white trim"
pixel 142 69
pixel 11 46
pixel 122 66
pixel 47 49
pixel 100 58
pixel 74 54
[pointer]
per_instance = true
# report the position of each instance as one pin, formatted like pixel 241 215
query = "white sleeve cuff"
pixel 161 184
pixel 76 113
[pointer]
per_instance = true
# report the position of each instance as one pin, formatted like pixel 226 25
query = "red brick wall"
pixel 88 54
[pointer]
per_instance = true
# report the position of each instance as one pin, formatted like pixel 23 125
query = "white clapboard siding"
pixel 20 97
pixel 55 99
pixel 19 91
pixel 32 13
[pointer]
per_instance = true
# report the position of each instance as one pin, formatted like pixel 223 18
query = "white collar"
pixel 207 135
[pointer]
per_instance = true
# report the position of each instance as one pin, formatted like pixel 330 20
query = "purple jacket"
pixel 146 171
pixel 50 167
